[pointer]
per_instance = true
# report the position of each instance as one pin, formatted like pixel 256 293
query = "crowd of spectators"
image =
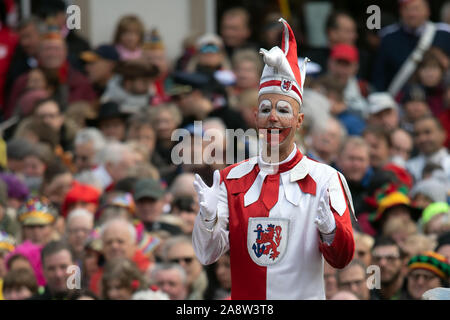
pixel 88 182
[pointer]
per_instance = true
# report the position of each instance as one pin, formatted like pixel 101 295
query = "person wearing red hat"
pixel 343 66
pixel 279 213
pixel 81 196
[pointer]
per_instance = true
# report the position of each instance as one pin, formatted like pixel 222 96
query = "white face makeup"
pixel 283 109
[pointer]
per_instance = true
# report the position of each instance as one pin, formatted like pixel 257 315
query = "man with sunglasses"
pixel 279 213
pixel 426 271
pixel 179 250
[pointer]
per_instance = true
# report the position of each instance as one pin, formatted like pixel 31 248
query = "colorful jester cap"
pixel 281 72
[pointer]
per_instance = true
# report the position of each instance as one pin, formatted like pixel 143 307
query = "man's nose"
pixel 273 116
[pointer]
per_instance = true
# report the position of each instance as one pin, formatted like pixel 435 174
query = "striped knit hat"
pixel 281 73
pixel 431 261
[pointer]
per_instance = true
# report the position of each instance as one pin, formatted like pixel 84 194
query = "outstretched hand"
pixel 208 196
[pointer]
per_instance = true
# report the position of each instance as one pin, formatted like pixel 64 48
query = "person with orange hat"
pixel 426 271
pixel 279 213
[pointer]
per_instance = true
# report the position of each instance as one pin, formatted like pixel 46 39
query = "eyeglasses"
pixel 187 260
pixel 417 276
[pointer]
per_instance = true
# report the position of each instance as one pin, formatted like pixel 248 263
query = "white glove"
pixel 208 197
pixel 325 219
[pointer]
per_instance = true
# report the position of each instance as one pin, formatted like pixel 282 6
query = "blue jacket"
pixel 396 45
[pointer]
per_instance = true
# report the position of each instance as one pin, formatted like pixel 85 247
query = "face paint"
pixel 284 109
pixel 264 109
pixel 275 134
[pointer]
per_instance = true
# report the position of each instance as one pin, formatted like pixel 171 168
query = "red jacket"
pixel 141 261
pixel 79 88
pixel 8 43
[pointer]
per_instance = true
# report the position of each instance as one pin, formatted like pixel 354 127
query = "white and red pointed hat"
pixel 281 72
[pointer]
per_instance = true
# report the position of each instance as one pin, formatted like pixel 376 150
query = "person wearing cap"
pixel 100 65
pixel 435 218
pixel 210 55
pixel 111 121
pixel 428 191
pixel 80 196
pixel 37 218
pixel 148 196
pixel 426 271
pixel 393 203
pixel 383 111
pixel 343 66
pixel 280 214
pixel 429 138
pixel 399 40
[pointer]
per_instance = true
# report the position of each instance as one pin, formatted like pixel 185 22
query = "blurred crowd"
pixel 87 177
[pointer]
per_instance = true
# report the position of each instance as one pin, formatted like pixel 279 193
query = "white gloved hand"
pixel 325 219
pixel 208 196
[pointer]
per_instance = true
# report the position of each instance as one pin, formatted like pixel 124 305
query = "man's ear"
pixel 300 119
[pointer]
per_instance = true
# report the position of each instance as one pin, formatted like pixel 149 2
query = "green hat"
pixel 147 188
pixel 432 210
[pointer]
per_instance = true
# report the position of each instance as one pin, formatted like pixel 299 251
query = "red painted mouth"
pixel 276 136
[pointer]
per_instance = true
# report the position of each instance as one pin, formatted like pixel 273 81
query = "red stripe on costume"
pixel 308 185
pixel 248 279
pixel 291 55
pixel 341 251
pixel 276 83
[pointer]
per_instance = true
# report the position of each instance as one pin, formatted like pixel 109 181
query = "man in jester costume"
pixel 280 214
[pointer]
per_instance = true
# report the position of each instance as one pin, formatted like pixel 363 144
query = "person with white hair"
pixel 88 144
pixel 80 223
pixel 119 240
pixel 327 141
pixel 171 278
pixel 116 159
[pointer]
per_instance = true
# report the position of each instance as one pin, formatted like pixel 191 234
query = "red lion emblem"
pixel 286 85
pixel 271 239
